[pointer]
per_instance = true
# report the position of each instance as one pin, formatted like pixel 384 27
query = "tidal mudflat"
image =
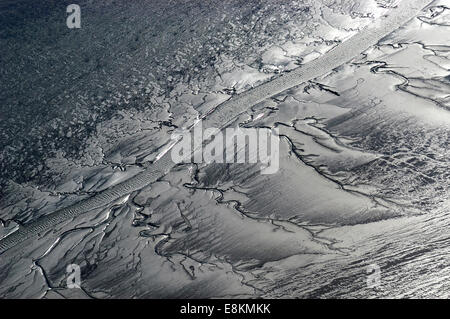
pixel 358 92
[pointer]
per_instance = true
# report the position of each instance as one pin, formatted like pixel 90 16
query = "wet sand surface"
pixel 363 176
